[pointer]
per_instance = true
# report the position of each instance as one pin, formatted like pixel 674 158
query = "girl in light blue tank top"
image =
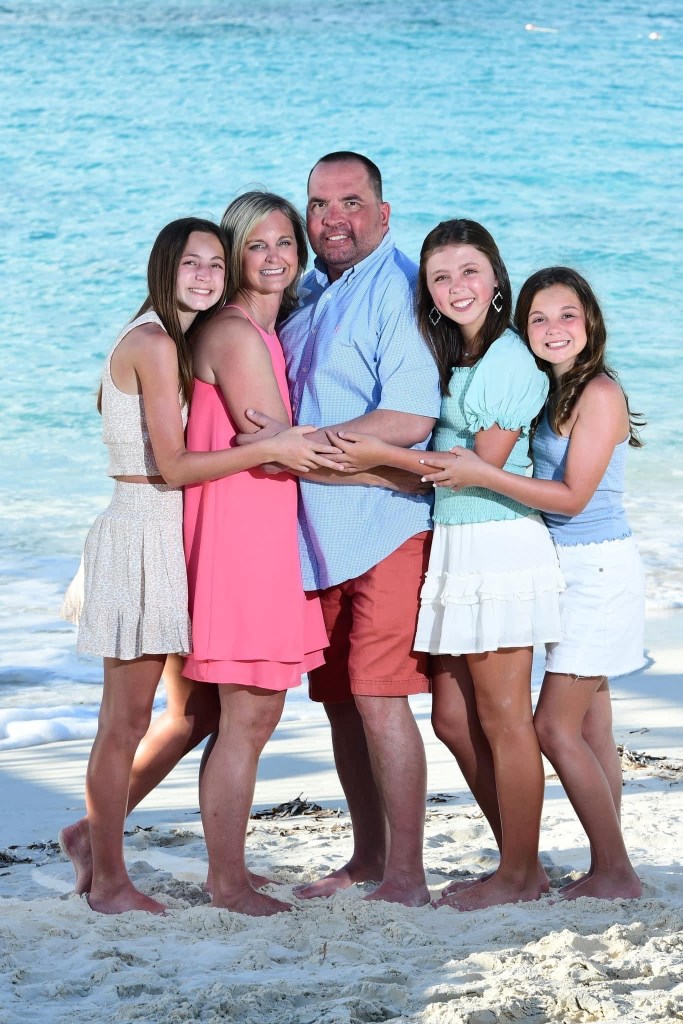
pixel 579 450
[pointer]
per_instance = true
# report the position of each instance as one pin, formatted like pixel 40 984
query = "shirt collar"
pixel 359 269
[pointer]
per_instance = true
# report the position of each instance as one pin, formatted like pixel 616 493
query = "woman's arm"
pixel 231 353
pixel 153 357
pixel 382 475
pixel 601 423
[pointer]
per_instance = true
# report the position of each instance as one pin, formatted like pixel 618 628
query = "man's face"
pixel 345 220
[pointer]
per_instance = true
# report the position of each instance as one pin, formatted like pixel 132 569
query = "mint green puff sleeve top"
pixel 507 388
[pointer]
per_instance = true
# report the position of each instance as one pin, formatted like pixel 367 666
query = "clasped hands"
pixel 350 452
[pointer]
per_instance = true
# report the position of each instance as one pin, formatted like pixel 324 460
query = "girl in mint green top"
pixel 505 388
pixel 492 587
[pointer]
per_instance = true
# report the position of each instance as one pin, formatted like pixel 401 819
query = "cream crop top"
pixel 124 426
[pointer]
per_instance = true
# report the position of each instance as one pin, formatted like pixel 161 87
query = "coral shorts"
pixel 370 623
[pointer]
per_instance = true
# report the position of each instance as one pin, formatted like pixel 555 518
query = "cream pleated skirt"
pixel 130 595
pixel 490 585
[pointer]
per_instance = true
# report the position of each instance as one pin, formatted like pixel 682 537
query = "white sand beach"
pixel 343 960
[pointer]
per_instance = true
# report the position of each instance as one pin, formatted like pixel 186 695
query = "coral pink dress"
pixel 252 623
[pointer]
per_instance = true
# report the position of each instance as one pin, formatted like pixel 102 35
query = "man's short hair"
pixel 346 156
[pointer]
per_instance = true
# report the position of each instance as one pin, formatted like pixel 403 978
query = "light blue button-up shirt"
pixel 351 347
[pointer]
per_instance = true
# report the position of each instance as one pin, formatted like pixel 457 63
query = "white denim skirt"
pixel 602 611
pixel 490 585
pixel 130 595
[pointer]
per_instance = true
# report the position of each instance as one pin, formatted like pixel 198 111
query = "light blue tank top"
pixel 603 518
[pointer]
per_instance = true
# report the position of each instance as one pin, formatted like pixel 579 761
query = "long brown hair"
pixel 162 276
pixel 445 338
pixel 239 220
pixel 589 363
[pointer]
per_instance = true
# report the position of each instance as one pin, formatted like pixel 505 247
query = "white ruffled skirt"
pixel 490 585
pixel 129 596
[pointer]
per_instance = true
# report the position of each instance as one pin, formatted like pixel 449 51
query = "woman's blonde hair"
pixel 239 220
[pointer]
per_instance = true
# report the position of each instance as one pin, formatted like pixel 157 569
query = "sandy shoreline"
pixel 343 960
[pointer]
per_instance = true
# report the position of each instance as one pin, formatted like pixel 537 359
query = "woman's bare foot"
pixel 491 892
pixel 248 901
pixel 119 901
pixel 74 841
pixel 406 891
pixel 606 885
pixel 464 883
pixel 342 878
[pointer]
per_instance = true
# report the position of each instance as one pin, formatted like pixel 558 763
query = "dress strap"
pixel 261 330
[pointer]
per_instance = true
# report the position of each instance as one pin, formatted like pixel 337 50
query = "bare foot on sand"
pixel 342 878
pixel 491 892
pixel 255 881
pixel 260 881
pixel 409 892
pixel 74 841
pixel 248 901
pixel 564 890
pixel 119 901
pixel 464 883
pixel 606 885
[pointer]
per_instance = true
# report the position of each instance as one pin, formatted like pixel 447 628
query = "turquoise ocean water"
pixel 564 140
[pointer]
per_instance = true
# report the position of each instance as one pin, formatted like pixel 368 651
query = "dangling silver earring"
pixel 497 302
pixel 434 316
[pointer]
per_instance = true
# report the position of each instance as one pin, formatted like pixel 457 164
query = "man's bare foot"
pixel 74 841
pixel 491 892
pixel 606 885
pixel 464 883
pixel 342 878
pixel 119 901
pixel 248 901
pixel 409 892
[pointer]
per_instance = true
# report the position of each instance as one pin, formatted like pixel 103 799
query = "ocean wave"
pixel 31 727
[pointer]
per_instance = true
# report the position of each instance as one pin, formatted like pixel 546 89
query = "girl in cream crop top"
pixel 124 426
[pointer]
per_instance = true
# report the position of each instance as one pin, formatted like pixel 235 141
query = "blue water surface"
pixel 118 117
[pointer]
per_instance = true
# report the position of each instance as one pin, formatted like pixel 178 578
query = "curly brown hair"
pixel 590 363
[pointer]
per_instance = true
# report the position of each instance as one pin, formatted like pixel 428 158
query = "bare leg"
pixel 368 818
pixel 597 732
pixel 191 715
pixel 562 708
pixel 248 717
pixel 399 768
pixel 256 880
pixel 503 693
pixel 456 723
pixel 129 688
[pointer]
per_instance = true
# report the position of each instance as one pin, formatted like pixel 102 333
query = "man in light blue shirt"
pixel 355 360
